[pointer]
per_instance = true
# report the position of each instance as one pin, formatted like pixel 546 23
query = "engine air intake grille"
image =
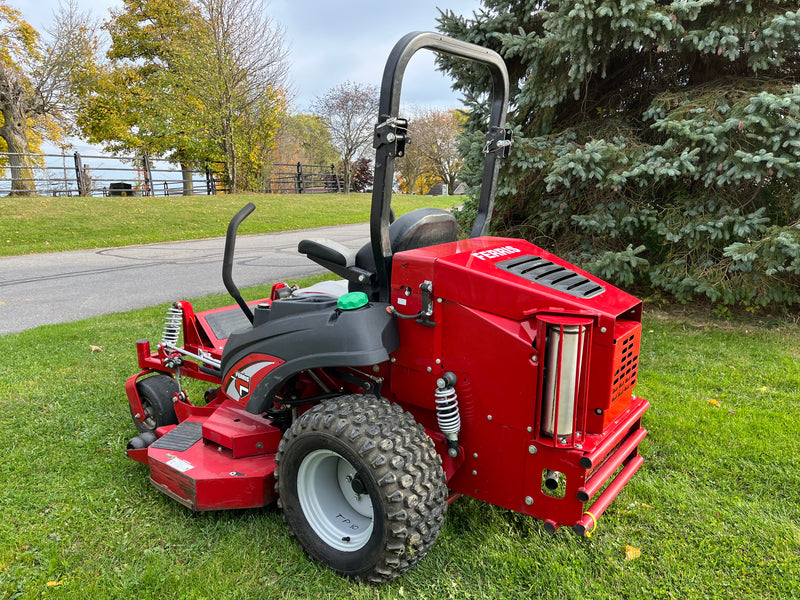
pixel 627 369
pixel 551 275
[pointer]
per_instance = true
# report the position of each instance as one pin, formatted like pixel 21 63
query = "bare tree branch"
pixel 350 111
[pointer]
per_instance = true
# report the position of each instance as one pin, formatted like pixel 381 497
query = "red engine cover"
pixel 492 302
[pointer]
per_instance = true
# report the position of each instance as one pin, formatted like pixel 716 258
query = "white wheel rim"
pixel 339 516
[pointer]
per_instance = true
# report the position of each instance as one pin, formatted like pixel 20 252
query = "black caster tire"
pixel 156 393
pixel 361 487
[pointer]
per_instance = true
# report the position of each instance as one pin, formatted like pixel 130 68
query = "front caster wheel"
pixel 361 487
pixel 156 393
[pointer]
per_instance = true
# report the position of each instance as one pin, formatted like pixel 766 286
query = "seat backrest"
pixel 416 229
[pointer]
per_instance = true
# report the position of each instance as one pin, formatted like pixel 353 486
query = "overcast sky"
pixel 332 42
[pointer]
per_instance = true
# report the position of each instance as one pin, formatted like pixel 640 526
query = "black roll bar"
pixel 227 259
pixel 390 138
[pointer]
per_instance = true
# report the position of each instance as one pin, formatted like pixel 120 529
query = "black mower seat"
pixel 418 229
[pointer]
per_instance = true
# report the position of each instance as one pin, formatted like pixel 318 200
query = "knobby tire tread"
pixel 403 461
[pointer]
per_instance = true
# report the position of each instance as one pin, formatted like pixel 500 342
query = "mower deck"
pixel 192 462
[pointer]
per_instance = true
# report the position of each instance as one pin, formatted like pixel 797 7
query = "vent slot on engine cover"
pixel 551 275
pixel 627 362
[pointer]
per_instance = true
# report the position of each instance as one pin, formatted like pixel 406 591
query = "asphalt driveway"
pixel 41 289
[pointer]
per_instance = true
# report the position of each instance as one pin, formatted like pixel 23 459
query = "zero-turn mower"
pixel 438 367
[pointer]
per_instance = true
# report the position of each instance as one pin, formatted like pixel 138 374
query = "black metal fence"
pixel 91 175
pixel 303 179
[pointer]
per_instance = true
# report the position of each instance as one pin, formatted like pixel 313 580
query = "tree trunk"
pixel 186 176
pixel 451 184
pixel 230 164
pixel 15 133
pixel 347 176
pixel 232 171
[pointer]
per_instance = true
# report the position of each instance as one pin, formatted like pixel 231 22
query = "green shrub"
pixel 655 143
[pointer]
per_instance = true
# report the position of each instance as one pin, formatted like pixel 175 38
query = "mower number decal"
pixel 496 252
pixel 179 464
pixel 246 376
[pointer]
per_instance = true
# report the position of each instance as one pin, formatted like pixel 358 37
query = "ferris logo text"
pixel 496 252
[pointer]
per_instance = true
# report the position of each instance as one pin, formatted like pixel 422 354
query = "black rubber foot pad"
pixel 180 439
pixel 223 323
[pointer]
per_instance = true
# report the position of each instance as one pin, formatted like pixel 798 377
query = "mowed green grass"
pixel 43 224
pixel 714 511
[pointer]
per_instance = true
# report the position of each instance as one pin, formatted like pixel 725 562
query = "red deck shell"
pixel 207 477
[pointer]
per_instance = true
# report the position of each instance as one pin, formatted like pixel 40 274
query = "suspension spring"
pixel 172 326
pixel 447 414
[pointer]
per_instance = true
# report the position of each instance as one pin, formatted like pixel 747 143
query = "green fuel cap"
pixel 352 300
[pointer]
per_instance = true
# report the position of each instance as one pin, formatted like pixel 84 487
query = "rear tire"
pixel 362 487
pixel 156 393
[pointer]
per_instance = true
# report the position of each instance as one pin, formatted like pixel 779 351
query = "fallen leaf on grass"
pixel 714 402
pixel 53 583
pixel 647 505
pixel 632 553
pixel 96 348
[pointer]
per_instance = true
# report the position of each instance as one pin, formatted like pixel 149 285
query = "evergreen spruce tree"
pixel 655 142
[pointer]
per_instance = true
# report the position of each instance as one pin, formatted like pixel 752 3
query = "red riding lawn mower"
pixel 439 367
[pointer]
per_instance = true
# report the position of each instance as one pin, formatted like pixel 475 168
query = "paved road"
pixel 61 287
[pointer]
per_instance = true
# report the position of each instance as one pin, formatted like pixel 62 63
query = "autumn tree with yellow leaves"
pixel 192 80
pixel 41 79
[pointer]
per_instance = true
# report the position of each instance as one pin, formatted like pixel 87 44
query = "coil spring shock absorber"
pixel 172 326
pixel 447 411
pixel 169 341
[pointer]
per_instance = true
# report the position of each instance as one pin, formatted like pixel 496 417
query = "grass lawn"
pixel 714 511
pixel 41 224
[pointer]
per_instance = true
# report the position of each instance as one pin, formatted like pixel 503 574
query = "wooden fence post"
pixel 211 189
pixel 79 175
pixel 299 182
pixel 148 176
pixel 336 178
